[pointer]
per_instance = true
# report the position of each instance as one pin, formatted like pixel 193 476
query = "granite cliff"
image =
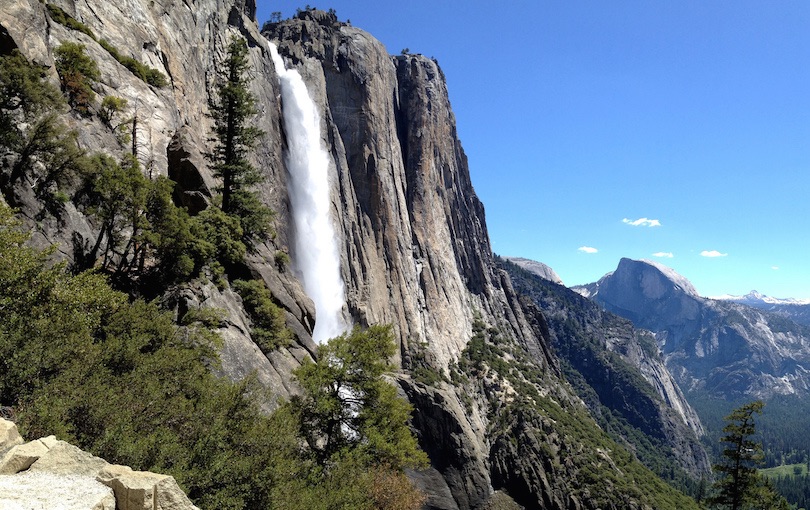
pixel 491 406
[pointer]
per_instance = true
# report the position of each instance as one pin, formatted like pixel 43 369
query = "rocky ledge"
pixel 49 473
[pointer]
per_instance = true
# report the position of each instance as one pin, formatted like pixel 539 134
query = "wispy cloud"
pixel 775 268
pixel 664 254
pixel 587 249
pixel 642 222
pixel 712 253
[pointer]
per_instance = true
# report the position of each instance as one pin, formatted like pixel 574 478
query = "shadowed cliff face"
pixel 721 347
pixel 618 371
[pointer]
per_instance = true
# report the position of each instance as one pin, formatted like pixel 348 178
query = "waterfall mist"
pixel 315 247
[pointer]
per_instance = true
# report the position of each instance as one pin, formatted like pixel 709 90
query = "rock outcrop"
pixel 537 268
pixel 48 473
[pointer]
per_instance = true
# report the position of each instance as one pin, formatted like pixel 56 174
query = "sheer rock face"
pixel 416 251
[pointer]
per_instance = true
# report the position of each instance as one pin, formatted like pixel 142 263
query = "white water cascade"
pixel 315 245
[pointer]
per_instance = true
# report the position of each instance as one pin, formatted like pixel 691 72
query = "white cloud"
pixel 642 222
pixel 587 249
pixel 664 254
pixel 775 268
pixel 712 253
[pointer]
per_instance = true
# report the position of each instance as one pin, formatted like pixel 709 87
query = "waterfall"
pixel 315 246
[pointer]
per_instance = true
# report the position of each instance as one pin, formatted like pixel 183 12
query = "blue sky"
pixel 579 115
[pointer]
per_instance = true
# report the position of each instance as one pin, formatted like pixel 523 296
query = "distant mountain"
pixel 537 268
pixel 721 347
pixel 795 309
pixel 618 371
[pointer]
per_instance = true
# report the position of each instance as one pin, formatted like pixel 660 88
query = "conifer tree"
pixel 234 137
pixel 740 486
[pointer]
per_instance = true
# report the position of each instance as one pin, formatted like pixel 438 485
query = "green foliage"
pixel 24 95
pixel 281 259
pixel 30 128
pixel 118 194
pixel 77 72
pixel 348 406
pixel 170 235
pixel 144 239
pixel 142 71
pixel 269 329
pixel 794 487
pixel 234 137
pixel 65 19
pixel 219 236
pixel 121 380
pixel 112 106
pixel 739 485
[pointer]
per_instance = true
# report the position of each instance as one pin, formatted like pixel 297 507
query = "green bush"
pixel 145 73
pixel 65 19
pixel 31 129
pixel 77 72
pixel 142 71
pixel 269 329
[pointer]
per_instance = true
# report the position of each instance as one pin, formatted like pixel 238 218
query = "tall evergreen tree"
pixel 740 486
pixel 234 137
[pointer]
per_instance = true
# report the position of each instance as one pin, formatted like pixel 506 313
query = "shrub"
pixel 145 73
pixel 281 259
pixel 77 71
pixel 269 329
pixel 65 19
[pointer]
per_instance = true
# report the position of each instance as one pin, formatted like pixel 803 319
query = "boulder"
pixel 22 456
pixel 64 458
pixel 9 436
pixel 28 490
pixel 141 490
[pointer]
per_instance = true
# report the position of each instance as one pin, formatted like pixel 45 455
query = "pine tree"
pixel 740 486
pixel 234 138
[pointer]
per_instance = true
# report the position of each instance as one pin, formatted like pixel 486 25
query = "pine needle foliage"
pixel 234 137
pixel 740 486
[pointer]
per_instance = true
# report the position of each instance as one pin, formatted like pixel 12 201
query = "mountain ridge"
pixel 592 342
pixel 709 344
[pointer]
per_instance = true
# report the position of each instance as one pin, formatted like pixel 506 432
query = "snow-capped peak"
pixel 757 297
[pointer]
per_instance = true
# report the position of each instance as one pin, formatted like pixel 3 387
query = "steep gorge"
pixel 414 249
